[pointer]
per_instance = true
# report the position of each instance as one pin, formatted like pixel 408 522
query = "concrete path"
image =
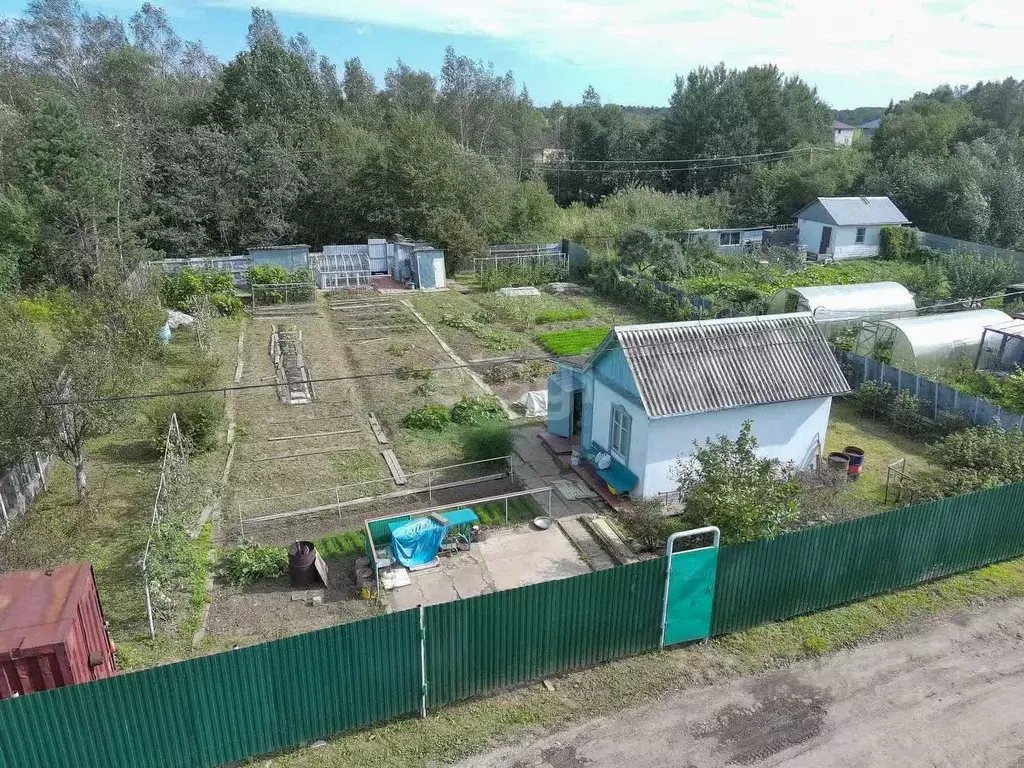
pixel 536 467
pixel 949 695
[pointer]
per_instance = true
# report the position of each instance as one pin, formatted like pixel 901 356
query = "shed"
pixel 840 306
pixel 52 631
pixel 650 391
pixel 428 267
pixel 846 227
pixel 291 257
pixel 912 342
pixel 843 133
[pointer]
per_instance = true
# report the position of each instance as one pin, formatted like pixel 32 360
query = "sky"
pixel 863 53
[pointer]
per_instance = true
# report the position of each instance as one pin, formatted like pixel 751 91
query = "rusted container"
pixel 52 631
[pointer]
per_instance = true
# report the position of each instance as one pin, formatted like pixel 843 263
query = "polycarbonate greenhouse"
pixel 839 306
pixel 341 269
pixel 914 342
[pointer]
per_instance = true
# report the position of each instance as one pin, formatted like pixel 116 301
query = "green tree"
pixel 972 277
pixel 725 483
pixel 649 250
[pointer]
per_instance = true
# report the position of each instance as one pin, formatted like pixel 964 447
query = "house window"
pixel 729 238
pixel 861 232
pixel 622 425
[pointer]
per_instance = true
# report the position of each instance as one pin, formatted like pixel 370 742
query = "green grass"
pixel 520 509
pixel 338 545
pixel 573 341
pixel 881 446
pixel 561 315
pixel 455 732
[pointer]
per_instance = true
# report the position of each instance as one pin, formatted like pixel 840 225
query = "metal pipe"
pixel 423 663
pixel 669 546
pixel 149 602
pixel 506 510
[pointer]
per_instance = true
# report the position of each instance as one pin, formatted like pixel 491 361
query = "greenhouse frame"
pixel 841 306
pixel 1002 347
pixel 336 271
pixel 912 342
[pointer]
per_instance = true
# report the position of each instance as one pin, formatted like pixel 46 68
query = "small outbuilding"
pixel 846 227
pixel 835 307
pixel 291 257
pixel 915 342
pixel 648 392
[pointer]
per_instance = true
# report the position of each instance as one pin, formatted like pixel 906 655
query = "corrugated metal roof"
pixel 712 365
pixel 859 211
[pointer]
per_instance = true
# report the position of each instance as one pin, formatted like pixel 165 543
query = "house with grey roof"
pixel 843 134
pixel 636 406
pixel 846 227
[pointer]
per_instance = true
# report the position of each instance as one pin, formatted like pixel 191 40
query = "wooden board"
pixel 314 434
pixel 300 455
pixel 394 467
pixel 377 431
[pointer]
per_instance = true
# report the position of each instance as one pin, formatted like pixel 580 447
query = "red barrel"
pixel 856 461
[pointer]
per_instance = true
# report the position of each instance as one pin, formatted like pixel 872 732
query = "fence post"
pixel 549 502
pixel 149 602
pixel 430 491
pixel 511 471
pixel 423 663
pixel 506 510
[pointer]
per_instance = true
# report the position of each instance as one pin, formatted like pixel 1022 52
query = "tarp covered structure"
pixel 929 339
pixel 416 542
pixel 535 403
pixel 839 306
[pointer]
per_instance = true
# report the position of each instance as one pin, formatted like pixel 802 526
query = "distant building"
pixel 549 155
pixel 843 133
pixel 869 128
pixel 846 227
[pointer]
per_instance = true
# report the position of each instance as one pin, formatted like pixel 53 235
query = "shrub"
pixel 405 372
pixel 905 411
pixel 515 276
pixel 898 243
pixel 250 562
pixel 474 410
pixel 487 442
pixel 644 521
pixel 977 458
pixel 433 417
pixel 200 375
pixel 505 372
pixel 181 291
pixel 199 417
pixel 399 349
pixel 874 397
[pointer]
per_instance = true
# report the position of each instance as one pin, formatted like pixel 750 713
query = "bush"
pixel 898 243
pixel 874 397
pixel 487 442
pixel 182 290
pixel 977 458
pixel 199 417
pixel 644 521
pixel 505 372
pixel 514 277
pixel 905 411
pixel 250 562
pixel 433 417
pixel 474 410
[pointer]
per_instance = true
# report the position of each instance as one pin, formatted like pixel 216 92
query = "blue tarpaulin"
pixel 417 541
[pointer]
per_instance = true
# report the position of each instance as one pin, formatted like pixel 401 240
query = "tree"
pixel 973 277
pixel 410 90
pixel 648 249
pixel 360 90
pixel 263 29
pixel 22 351
pixel 725 483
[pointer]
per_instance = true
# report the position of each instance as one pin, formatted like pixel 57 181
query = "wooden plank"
pixel 313 418
pixel 404 327
pixel 394 467
pixel 377 431
pixel 314 434
pixel 299 455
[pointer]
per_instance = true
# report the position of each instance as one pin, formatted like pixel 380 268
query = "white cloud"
pixel 922 42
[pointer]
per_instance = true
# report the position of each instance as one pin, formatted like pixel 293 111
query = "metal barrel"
pixel 856 461
pixel 302 564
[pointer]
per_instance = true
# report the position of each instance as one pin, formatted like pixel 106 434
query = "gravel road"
pixel 949 694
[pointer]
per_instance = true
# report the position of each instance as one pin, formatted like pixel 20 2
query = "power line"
pixel 633 161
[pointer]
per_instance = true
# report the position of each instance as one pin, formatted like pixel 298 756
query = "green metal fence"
pixel 507 638
pixel 830 565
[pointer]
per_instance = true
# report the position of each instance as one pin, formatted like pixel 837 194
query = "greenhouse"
pixel 841 306
pixel 913 342
pixel 1002 347
pixel 341 268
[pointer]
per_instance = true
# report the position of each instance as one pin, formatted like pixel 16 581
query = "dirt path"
pixel 948 695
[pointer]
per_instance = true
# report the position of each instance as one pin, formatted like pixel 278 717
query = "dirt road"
pixel 948 695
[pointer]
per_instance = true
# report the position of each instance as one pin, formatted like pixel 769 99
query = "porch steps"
pixel 589 547
pixel 604 532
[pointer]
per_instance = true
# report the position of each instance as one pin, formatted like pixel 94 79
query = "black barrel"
pixel 302 564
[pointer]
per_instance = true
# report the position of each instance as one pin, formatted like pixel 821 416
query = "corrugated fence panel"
pixel 830 565
pixel 222 708
pixel 509 638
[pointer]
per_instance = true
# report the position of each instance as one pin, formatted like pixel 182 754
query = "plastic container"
pixel 856 461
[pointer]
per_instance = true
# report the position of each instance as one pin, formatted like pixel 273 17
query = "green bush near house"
pixel 898 243
pixel 487 441
pixel 199 417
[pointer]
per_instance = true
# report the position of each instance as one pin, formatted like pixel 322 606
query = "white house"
pixel 649 391
pixel 843 133
pixel 846 227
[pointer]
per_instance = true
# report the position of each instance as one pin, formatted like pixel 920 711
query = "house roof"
pixel 841 126
pixel 853 211
pixel 872 125
pixel 711 365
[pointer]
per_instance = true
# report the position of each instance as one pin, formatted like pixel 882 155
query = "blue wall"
pixel 289 258
pixel 612 369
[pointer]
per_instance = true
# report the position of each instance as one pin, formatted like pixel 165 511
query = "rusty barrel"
pixel 302 564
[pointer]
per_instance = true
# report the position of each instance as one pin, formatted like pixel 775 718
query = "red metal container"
pixel 52 631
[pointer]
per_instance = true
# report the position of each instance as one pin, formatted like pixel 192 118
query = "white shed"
pixel 929 339
pixel 839 306
pixel 846 227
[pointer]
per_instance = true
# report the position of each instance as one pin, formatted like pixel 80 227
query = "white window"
pixel 861 232
pixel 622 425
pixel 729 238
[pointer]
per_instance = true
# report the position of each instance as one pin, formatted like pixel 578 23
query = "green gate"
pixel 689 589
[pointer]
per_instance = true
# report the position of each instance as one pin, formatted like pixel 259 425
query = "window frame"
pixel 723 238
pixel 621 424
pixel 862 235
pixel 735 238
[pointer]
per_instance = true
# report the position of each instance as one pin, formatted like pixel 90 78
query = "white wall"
pixel 845 245
pixel 784 431
pixel 844 138
pixel 604 398
pixel 809 234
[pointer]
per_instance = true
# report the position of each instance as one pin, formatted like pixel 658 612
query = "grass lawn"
pixel 457 731
pixel 110 530
pixel 881 446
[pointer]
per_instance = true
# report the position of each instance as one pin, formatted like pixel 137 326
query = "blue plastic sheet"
pixel 417 541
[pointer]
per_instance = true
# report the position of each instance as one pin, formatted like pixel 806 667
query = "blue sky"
pixel 857 54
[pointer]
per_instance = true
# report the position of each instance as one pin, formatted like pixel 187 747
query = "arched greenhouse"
pixel 841 306
pixel 914 342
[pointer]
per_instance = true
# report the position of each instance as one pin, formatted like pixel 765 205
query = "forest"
pixel 120 141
